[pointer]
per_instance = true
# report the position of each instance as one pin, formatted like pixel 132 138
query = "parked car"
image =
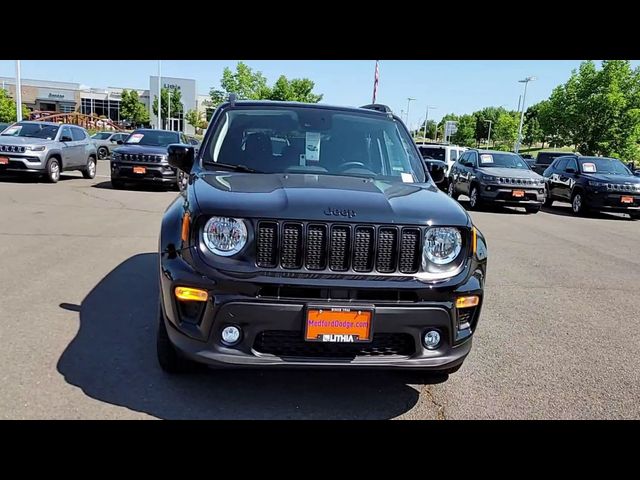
pixel 341 252
pixel 106 141
pixel 503 178
pixel 445 152
pixel 47 149
pixel 593 183
pixel 544 159
pixel 142 158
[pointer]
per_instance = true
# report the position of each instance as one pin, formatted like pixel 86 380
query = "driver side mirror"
pixel 181 157
pixel 66 138
pixel 570 170
pixel 119 142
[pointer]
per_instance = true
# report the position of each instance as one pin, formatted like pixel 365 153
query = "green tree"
pixel 431 129
pixel 245 83
pixel 294 90
pixel 482 121
pixel 171 102
pixel 466 133
pixel 8 108
pixel 505 130
pixel 446 118
pixel 195 119
pixel 531 130
pixel 132 109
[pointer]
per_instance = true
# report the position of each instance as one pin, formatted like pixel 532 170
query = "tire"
pixel 89 172
pixel 117 184
pixel 168 357
pixel 451 190
pixel 475 203
pixel 532 209
pixel 103 152
pixel 578 204
pixel 548 201
pixel 53 170
pixel 635 216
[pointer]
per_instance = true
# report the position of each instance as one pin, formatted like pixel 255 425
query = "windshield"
pixel 432 152
pixel 547 158
pixel 502 160
pixel 32 130
pixel 156 138
pixel 609 166
pixel 314 140
pixel 101 136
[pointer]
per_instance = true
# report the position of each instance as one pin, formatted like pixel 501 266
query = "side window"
pixel 77 134
pixel 66 132
pixel 571 163
pixel 454 155
pixel 463 158
pixel 473 159
pixel 561 163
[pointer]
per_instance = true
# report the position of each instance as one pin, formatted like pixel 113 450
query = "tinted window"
pixel 156 138
pixel 454 155
pixel 463 158
pixel 437 153
pixel 561 164
pixel 545 158
pixel 571 163
pixel 77 134
pixel 473 159
pixel 609 166
pixel 320 140
pixel 502 160
pixel 66 132
pixel 101 136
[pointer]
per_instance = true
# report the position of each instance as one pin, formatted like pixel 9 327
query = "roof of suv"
pixel 278 103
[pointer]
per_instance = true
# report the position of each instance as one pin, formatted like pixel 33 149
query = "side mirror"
pixel 437 170
pixel 570 170
pixel 66 138
pixel 181 157
pixel 119 142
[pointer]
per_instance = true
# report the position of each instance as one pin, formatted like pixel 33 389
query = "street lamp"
pixel 426 118
pixel 159 96
pixel 18 93
pixel 489 134
pixel 524 97
pixel 409 100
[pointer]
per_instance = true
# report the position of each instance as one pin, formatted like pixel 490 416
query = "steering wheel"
pixel 348 165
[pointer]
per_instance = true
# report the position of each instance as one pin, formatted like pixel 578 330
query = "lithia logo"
pixel 337 212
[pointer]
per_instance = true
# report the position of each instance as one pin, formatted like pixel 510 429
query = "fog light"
pixel 230 335
pixel 431 339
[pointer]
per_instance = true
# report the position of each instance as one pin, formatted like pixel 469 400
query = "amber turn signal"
pixel 467 302
pixel 186 223
pixel 191 294
pixel 474 233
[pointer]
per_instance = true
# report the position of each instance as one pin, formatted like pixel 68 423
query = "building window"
pixel 101 108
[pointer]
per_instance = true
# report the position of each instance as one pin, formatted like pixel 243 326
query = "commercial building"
pixel 64 97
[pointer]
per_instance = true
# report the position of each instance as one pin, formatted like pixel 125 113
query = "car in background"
pixel 544 159
pixel 142 158
pixel 106 141
pixel 443 152
pixel 46 149
pixel 503 178
pixel 593 183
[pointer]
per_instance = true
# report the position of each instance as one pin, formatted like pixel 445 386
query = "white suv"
pixel 445 152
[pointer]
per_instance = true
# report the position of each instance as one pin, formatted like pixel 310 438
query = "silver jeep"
pixel 46 149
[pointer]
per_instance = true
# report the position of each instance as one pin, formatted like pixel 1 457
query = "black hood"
pixel 145 149
pixel 325 198
pixel 618 179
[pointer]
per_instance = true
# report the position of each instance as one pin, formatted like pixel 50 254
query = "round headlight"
pixel 442 245
pixel 225 236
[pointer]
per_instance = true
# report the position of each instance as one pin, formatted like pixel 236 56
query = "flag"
pixel 375 82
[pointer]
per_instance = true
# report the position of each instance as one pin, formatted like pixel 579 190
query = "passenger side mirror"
pixel 119 142
pixel 570 170
pixel 181 157
pixel 66 138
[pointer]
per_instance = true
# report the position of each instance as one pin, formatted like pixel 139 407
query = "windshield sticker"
pixel 11 131
pixel 302 162
pixel 135 138
pixel 406 177
pixel 486 158
pixel 589 167
pixel 312 150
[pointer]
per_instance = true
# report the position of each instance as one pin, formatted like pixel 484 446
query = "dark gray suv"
pixel 46 149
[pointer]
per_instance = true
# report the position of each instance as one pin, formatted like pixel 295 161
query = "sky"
pixel 451 86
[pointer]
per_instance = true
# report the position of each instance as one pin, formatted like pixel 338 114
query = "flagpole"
pixel 375 82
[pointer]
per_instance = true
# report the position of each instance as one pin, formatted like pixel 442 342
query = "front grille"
pixel 285 343
pixel 525 182
pixel 141 158
pixel 12 149
pixel 619 187
pixel 338 248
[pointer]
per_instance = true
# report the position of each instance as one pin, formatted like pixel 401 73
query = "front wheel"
pixel 53 170
pixel 103 153
pixel 474 199
pixel 89 171
pixel 548 201
pixel 168 357
pixel 578 204
pixel 451 190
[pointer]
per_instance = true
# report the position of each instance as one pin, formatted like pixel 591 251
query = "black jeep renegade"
pixel 314 236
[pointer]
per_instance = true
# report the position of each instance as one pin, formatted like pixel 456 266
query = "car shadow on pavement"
pixel 136 188
pixel 34 178
pixel 565 211
pixel 495 209
pixel 113 359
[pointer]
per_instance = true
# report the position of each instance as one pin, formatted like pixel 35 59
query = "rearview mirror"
pixel 181 157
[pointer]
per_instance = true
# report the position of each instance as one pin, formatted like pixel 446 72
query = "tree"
pixel 294 90
pixel 531 130
pixel 8 108
pixel 446 118
pixel 505 130
pixel 195 119
pixel 171 102
pixel 466 133
pixel 132 109
pixel 245 83
pixel 482 121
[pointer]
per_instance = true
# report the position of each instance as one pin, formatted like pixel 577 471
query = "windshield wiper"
pixel 235 168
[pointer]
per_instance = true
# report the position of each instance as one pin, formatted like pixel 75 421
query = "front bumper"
pixel 272 326
pixel 501 194
pixel 612 201
pixel 158 173
pixel 23 163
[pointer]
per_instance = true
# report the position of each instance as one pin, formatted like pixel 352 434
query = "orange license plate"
pixel 139 170
pixel 338 324
pixel 518 193
pixel 4 160
pixel 626 199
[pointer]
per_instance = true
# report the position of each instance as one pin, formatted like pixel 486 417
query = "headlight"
pixel 225 236
pixel 441 246
pixel 39 148
pixel 595 184
pixel 489 178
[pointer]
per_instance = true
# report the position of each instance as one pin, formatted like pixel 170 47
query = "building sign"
pixel 172 86
pixel 450 128
pixel 55 95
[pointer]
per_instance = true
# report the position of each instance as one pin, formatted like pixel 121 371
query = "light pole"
pixel 159 96
pixel 18 93
pixel 426 119
pixel 409 100
pixel 489 134
pixel 524 98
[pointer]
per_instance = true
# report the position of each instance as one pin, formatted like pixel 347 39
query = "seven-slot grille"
pixel 619 187
pixel 519 181
pixel 338 247
pixel 140 157
pixel 12 149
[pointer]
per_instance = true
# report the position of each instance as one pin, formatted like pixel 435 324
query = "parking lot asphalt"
pixel 558 336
